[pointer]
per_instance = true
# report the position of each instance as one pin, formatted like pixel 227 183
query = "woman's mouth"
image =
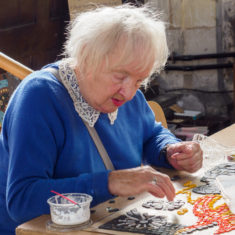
pixel 117 102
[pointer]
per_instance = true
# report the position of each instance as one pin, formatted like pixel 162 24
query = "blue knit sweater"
pixel 45 146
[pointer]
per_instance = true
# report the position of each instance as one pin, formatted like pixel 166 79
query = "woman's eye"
pixel 119 77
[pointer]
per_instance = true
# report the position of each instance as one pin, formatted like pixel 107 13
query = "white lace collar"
pixel 84 110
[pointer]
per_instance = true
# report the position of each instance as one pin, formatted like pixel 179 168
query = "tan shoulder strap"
pixel 92 131
pixel 101 149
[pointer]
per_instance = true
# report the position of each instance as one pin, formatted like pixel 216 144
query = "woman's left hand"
pixel 185 156
pixel 134 181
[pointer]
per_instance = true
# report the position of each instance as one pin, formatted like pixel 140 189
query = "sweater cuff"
pixel 163 157
pixel 99 187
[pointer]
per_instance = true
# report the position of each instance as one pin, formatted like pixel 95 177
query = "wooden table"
pixel 38 226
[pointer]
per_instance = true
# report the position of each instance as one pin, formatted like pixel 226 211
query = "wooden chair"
pixel 12 66
pixel 158 111
pixel 15 68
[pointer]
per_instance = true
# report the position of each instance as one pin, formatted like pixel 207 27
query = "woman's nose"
pixel 128 89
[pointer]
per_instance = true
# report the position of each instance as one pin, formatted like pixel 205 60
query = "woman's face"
pixel 112 86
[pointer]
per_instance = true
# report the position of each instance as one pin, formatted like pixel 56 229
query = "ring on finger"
pixel 154 180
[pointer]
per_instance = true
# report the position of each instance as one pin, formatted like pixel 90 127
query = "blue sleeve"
pixel 35 136
pixel 156 138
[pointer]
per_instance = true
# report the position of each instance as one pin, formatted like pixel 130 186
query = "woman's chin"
pixel 108 109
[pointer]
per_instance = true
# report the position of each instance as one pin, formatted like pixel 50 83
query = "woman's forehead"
pixel 134 63
pixel 122 54
pixel 133 68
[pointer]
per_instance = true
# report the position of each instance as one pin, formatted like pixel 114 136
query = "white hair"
pixel 95 34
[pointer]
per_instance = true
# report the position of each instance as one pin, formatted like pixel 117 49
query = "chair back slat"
pixel 14 67
pixel 159 113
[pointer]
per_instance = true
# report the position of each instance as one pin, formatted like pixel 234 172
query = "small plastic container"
pixel 213 152
pixel 227 187
pixel 63 212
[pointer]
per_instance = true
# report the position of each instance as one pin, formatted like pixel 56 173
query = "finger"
pixel 195 167
pixel 188 159
pixel 190 166
pixel 163 187
pixel 157 194
pixel 179 156
pixel 197 155
pixel 157 191
pixel 181 147
pixel 169 190
pixel 187 164
pixel 185 147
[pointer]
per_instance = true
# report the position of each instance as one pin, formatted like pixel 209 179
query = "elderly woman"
pixel 45 144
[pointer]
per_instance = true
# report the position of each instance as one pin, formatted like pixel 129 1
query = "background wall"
pixel 200 27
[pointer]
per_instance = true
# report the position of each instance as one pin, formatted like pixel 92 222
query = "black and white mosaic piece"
pixel 210 176
pixel 221 169
pixel 207 189
pixel 135 222
pixel 163 205
pixel 175 178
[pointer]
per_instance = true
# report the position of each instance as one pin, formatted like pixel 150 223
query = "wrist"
pixel 163 153
pixel 164 150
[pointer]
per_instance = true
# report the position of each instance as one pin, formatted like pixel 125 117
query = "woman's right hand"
pixel 137 180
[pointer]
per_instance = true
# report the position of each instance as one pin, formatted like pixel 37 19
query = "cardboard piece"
pixel 76 6
pixel 226 136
